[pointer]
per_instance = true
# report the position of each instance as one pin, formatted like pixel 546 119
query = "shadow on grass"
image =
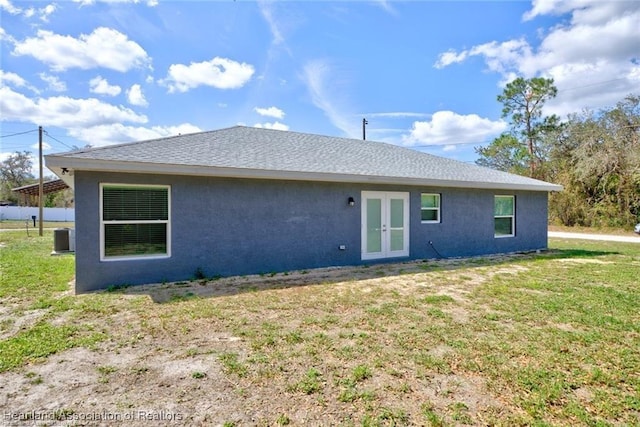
pixel 574 253
pixel 228 286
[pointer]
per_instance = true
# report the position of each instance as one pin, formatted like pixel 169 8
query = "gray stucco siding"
pixel 467 224
pixel 227 226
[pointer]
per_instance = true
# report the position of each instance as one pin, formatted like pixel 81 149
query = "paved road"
pixel 634 238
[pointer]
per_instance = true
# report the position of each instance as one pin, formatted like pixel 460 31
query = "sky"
pixel 424 74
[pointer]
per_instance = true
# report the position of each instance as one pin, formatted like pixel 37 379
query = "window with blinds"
pixel 430 208
pixel 135 221
pixel 504 216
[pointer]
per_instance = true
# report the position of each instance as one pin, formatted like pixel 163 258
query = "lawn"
pixel 10 224
pixel 537 339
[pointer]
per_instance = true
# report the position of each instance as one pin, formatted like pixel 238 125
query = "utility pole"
pixel 364 129
pixel 41 184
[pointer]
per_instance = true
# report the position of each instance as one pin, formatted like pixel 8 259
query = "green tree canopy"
pixel 599 167
pixel 523 101
pixel 15 171
pixel 505 153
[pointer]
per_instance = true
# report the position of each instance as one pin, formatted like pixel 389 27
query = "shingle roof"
pixel 262 153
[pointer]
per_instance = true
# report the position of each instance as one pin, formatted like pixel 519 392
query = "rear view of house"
pixel 246 200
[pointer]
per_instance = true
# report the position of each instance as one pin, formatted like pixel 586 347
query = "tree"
pixel 505 153
pixel 523 101
pixel 15 171
pixel 607 161
pixel 598 163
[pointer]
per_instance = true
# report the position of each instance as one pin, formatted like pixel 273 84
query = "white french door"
pixel 385 224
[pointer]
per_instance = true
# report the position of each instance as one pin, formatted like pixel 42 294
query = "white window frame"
pixel 103 223
pixel 437 209
pixel 512 216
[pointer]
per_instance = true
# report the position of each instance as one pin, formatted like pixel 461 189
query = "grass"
pixel 29 270
pixel 42 340
pixel 10 224
pixel 540 339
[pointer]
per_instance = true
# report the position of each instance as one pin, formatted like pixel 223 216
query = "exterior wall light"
pixel 351 201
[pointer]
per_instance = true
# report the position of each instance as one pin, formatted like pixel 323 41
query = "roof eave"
pixel 57 163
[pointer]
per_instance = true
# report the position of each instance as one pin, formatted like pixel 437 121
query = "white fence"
pixel 49 214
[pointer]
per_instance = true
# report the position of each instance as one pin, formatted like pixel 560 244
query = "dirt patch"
pixel 12 324
pixel 129 385
pixel 243 350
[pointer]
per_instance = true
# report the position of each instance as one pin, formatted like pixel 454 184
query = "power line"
pixel 19 133
pixel 57 140
pixel 594 84
pixel 36 130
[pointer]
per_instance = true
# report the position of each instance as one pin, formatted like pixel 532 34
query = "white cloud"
pixel 63 111
pixel 590 56
pixel 266 8
pixel 45 146
pixel 276 125
pixel 46 11
pixel 386 6
pixel 136 97
pixel 118 133
pixel 101 86
pixel 104 47
pixel 450 57
pixel 281 22
pixel 270 112
pixel 13 78
pixel 5 36
pixel 221 73
pixel 499 57
pixel 55 84
pixel 325 89
pixel 449 128
pixel 560 7
pixel 9 78
pixel 7 6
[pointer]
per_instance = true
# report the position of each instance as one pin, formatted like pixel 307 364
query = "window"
pixel 135 221
pixel 430 208
pixel 503 212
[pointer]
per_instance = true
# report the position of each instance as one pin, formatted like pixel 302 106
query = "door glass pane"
pixel 397 213
pixel 374 225
pixel 397 240
pixel 396 234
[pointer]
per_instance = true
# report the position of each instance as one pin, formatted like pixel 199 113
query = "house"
pixel 245 200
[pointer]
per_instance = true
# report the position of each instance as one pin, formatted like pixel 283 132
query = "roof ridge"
pixel 345 138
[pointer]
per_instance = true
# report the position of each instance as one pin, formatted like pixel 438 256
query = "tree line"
pixel 594 155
